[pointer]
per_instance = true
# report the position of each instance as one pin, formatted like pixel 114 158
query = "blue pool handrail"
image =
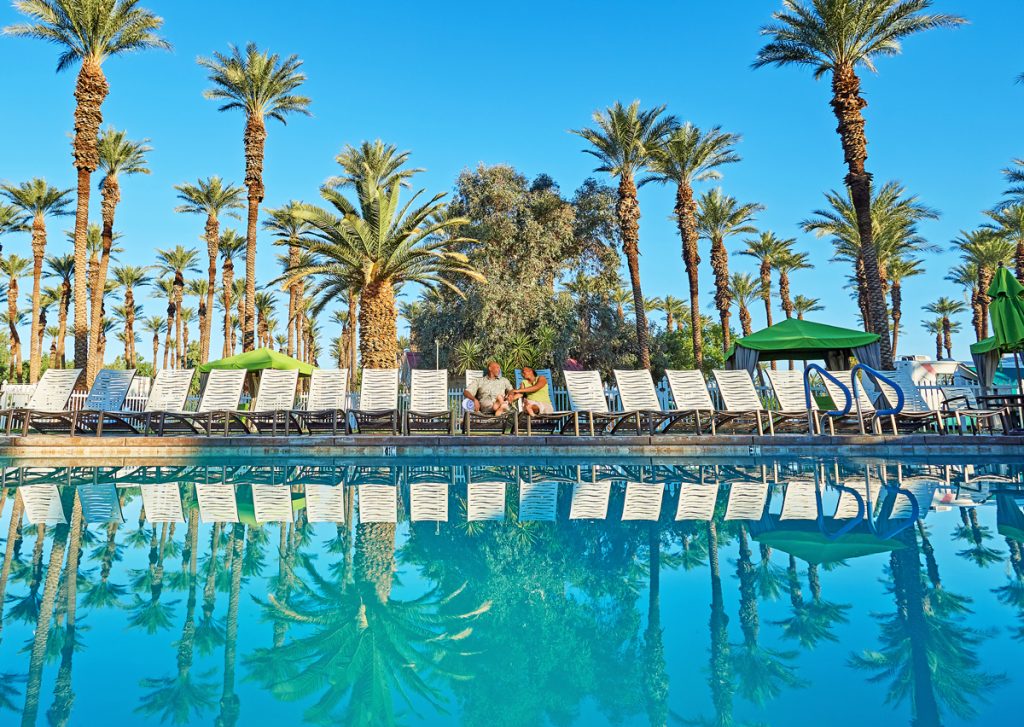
pixel 878 375
pixel 808 370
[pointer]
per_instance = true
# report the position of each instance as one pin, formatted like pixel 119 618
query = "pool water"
pixel 785 593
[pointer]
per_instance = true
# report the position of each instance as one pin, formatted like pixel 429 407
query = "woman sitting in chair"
pixel 534 392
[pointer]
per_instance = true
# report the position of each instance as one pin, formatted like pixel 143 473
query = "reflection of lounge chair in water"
pixel 1009 518
pixel 590 500
pixel 696 502
pixel 100 503
pixel 746 500
pixel 428 493
pixel 643 501
pixel 162 502
pixel 485 498
pixel 538 501
pixel 272 503
pixel 378 503
pixel 43 504
pixel 800 501
pixel 325 503
pixel 217 502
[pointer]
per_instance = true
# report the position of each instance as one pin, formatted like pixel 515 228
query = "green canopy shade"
pixel 261 358
pixel 1009 518
pixel 815 548
pixel 986 345
pixel 1007 310
pixel 796 339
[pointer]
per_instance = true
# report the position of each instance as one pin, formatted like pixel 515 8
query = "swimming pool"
pixel 774 592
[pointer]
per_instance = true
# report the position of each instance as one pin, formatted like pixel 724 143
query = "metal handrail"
pixel 808 370
pixel 878 376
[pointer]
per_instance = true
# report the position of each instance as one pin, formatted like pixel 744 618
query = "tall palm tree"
pixel 89 32
pixel 119 156
pixel 199 289
pixel 802 305
pixel 984 250
pixel 37 200
pixel 744 289
pixel 210 197
pixel 14 267
pixel 176 262
pixel 965 275
pixel 164 289
pixel 231 247
pixel 1009 222
pixel 688 156
pixel 375 162
pixel 264 312
pixel 288 224
pixel 374 246
pixel 262 86
pixel 934 327
pixel 623 141
pixel 767 248
pixel 899 269
pixel 945 308
pixel 790 261
pixel 128 278
pixel 718 217
pixel 154 325
pixel 836 37
pixel 63 268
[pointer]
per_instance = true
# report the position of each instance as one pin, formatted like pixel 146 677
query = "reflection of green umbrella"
pixel 813 547
pixel 1009 518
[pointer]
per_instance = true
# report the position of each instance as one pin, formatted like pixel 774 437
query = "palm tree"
pixel 1014 176
pixel 837 36
pixel 718 217
pixel 786 264
pixel 154 325
pixel 264 311
pixel 90 32
pixel 262 86
pixel 1009 222
pixel 199 288
pixel 965 275
pixel 164 289
pixel 12 219
pixel 62 267
pixel 122 315
pixel 14 267
pixel 375 162
pixel 743 290
pixel 624 140
pixel 985 251
pixel 118 156
pixel 945 308
pixel 621 298
pixel 128 278
pixel 375 246
pixel 186 317
pixel 935 328
pixel 803 305
pixel 210 197
pixel 176 262
pixel 675 310
pixel 287 225
pixel 37 200
pixel 766 248
pixel 231 246
pixel 687 156
pixel 899 269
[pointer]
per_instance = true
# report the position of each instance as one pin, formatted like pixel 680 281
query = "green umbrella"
pixel 261 358
pixel 1007 313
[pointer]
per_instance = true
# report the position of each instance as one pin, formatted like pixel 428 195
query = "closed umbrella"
pixel 1007 313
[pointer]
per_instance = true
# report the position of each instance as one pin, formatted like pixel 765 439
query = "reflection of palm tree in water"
pixel 103 593
pixel 152 614
pixel 1012 593
pixel 975 535
pixel 811 622
pixel 26 608
pixel 63 696
pixel 229 704
pixel 656 676
pixel 12 538
pixel 209 633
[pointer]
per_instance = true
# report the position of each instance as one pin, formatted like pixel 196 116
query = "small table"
pixel 1012 402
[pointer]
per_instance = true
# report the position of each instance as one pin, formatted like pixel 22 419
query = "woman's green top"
pixel 541 395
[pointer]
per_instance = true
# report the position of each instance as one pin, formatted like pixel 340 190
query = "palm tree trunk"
pixel 213 250
pixel 179 295
pixel 628 211
pixel 229 704
pixel 111 195
pixel 350 323
pixel 947 336
pixel 984 280
pixel 228 281
pixel 378 328
pixel 686 210
pixel 63 695
pixel 38 254
pixel 938 345
pixel 723 299
pixel 156 350
pixel 254 141
pixel 129 328
pixel 62 321
pixel 91 89
pixel 12 328
pixel 170 333
pixel 847 104
pixel 1018 259
pixel 745 322
pixel 896 294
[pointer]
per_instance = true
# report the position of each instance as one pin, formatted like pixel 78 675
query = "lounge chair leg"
pixel 760 425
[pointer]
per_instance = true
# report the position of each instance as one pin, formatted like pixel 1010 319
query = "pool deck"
pixel 51 450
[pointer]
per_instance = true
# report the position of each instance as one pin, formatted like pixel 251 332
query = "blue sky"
pixel 467 83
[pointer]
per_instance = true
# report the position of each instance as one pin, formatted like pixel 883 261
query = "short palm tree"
pixel 232 246
pixel 154 325
pixel 718 217
pixel 37 200
pixel 262 86
pixel 899 269
pixel 1009 222
pixel 802 305
pixel 623 141
pixel 374 246
pixel 836 37
pixel 62 267
pixel 89 32
pixel 934 327
pixel 199 289
pixel 265 305
pixel 744 289
pixel 786 263
pixel 210 197
pixel 675 311
pixel 128 278
pixel 288 224
pixel 125 315
pixel 688 156
pixel 12 219
pixel 13 267
pixel 945 308
pixel 767 248
pixel 176 262
pixel 375 162
pixel 621 298
pixel 119 156
pixel 983 250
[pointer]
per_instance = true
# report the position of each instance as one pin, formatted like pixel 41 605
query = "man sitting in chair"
pixel 534 392
pixel 489 394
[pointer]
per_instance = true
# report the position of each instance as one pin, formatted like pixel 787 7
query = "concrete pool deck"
pixel 56 450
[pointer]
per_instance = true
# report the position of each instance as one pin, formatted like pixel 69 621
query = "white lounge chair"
pixel 917 413
pixel 637 393
pixel 217 404
pixel 472 376
pixel 327 404
pixel 108 393
pixel 554 422
pixel 862 412
pixel 272 503
pixel 51 397
pixel 378 503
pixel 43 504
pixel 590 500
pixel 162 502
pixel 428 403
pixel 691 397
pixel 791 396
pixel 378 402
pixel 960 401
pixel 273 407
pixel 743 404
pixel 485 501
pixel 586 395
pixel 217 503
pixel 169 392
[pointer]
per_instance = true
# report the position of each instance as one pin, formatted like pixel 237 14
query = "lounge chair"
pixel 108 393
pixel 274 404
pixel 742 404
pixel 51 396
pixel 327 403
pixel 485 501
pixel 378 503
pixel 637 393
pixel 555 422
pixel 163 502
pixel 272 503
pixel 168 393
pixel 691 398
pixel 43 504
pixel 800 501
pixel 917 413
pixel 489 423
pixel 217 503
pixel 472 376
pixel 378 402
pixel 217 404
pixel 538 501
pixel 862 412
pixel 789 392
pixel 960 401
pixel 590 500
pixel 586 394
pixel 428 403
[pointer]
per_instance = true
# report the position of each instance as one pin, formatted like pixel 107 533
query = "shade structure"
pixel 261 358
pixel 1007 313
pixel 805 340
pixel 806 542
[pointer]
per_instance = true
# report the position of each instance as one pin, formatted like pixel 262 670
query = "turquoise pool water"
pixel 785 593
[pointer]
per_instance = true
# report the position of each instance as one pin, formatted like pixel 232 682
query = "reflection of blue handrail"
pixel 878 375
pixel 915 513
pixel 850 524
